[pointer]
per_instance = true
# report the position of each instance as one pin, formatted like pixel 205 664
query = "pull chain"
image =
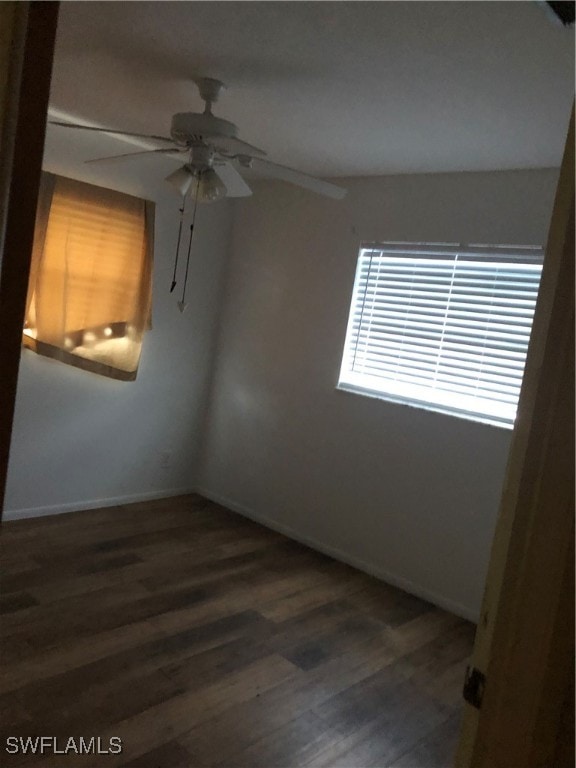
pixel 182 302
pixel 178 243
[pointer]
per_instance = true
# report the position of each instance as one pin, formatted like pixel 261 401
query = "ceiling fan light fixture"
pixel 181 180
pixel 211 188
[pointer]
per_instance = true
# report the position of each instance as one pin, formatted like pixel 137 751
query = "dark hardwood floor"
pixel 202 639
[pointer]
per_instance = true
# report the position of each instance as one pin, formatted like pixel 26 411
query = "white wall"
pixel 80 439
pixel 408 494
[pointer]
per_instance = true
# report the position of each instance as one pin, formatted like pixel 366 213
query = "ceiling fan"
pixel 212 154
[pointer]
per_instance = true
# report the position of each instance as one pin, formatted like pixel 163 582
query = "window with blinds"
pixel 89 294
pixel 442 326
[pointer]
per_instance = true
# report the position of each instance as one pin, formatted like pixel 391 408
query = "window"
pixel 89 295
pixel 442 326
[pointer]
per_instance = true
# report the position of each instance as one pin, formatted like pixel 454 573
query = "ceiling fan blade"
pixel 292 176
pixel 231 145
pixel 111 130
pixel 176 154
pixel 232 180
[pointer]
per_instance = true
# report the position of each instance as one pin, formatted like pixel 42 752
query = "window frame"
pixel 90 286
pixel 376 386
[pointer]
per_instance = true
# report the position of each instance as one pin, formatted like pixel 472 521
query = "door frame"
pixel 27 39
pixel 523 653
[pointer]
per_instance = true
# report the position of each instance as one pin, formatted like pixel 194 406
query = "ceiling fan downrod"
pixel 210 90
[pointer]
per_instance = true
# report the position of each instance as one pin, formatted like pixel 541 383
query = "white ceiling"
pixel 331 88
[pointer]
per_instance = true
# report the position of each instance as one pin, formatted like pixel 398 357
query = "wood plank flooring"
pixel 203 640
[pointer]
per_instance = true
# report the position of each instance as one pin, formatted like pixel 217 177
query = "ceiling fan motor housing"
pixel 190 127
pixel 202 158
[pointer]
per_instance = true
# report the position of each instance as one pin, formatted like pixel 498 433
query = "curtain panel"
pixel 90 291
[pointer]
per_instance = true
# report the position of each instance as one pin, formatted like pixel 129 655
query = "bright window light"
pixel 90 277
pixel 444 327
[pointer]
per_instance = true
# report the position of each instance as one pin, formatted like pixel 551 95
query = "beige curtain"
pixel 89 297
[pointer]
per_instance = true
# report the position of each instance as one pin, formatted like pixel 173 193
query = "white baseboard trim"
pixel 78 506
pixel 338 554
pixel 362 565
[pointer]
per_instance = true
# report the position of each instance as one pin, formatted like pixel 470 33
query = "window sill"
pixel 350 389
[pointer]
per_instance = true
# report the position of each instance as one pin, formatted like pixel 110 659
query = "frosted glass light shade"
pixel 210 188
pixel 181 180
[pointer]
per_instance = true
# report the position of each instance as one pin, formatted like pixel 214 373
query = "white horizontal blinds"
pixel 443 325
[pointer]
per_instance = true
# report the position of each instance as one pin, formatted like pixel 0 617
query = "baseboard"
pixel 78 506
pixel 362 565
pixel 338 554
